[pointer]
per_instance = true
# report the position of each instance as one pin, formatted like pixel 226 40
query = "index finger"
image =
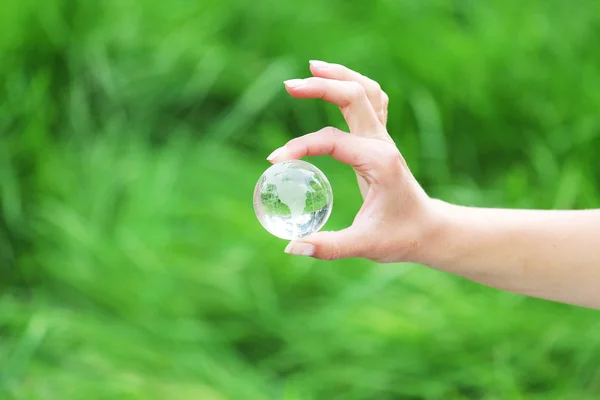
pixel 345 148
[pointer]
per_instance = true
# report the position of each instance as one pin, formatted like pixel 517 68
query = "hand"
pixel 548 254
pixel 397 214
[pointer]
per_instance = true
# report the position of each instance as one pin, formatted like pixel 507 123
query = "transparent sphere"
pixel 293 199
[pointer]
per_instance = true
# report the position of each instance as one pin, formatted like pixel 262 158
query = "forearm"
pixel 548 254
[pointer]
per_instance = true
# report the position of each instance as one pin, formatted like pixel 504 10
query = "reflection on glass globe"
pixel 293 199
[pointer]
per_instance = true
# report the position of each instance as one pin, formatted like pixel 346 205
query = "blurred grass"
pixel 132 134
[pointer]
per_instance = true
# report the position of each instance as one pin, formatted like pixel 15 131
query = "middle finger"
pixel 373 90
pixel 349 96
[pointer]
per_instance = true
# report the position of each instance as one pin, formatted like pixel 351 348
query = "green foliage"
pixel 272 203
pixel 132 135
pixel 316 199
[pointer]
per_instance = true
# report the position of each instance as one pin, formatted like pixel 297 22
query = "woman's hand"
pixel 397 214
pixel 548 254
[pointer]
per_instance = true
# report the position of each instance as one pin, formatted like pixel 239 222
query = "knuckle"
pixel 392 160
pixel 386 99
pixel 375 86
pixel 331 249
pixel 372 87
pixel 356 91
pixel 330 131
pixel 331 252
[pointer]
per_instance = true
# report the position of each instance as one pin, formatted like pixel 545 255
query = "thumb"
pixel 346 243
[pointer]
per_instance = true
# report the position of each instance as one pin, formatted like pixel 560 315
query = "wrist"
pixel 437 232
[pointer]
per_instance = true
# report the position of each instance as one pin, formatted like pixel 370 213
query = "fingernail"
pixel 318 64
pixel 294 83
pixel 277 153
pixel 300 249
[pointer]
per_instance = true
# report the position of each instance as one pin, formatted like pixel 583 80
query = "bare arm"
pixel 553 255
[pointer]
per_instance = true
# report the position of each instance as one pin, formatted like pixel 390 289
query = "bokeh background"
pixel 132 134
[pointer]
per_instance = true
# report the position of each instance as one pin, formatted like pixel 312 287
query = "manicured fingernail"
pixel 294 83
pixel 318 64
pixel 277 153
pixel 300 249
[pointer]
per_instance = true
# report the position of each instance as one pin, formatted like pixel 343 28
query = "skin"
pixel 554 255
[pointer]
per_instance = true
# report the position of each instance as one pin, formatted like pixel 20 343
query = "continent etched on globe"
pixel 293 199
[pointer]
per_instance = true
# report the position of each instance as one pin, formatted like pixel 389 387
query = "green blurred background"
pixel 132 134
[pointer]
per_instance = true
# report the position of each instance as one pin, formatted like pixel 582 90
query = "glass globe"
pixel 293 199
